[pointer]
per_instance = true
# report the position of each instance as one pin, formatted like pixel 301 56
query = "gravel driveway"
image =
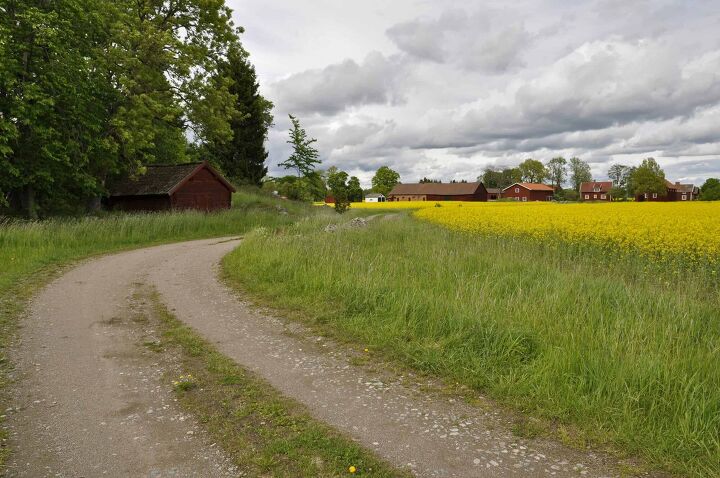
pixel 90 404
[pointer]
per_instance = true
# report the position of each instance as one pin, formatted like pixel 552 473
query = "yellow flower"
pixel 352 469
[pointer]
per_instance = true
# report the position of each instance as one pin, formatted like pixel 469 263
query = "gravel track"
pixel 90 403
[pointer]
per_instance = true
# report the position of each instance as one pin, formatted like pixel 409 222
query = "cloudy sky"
pixel 444 88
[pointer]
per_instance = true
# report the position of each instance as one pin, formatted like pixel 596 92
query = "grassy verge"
pixel 32 252
pixel 264 433
pixel 624 351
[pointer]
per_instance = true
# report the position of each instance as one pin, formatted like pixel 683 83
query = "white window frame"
pixel 646 196
pixel 594 196
pixel 517 190
pixel 603 196
pixel 654 195
pixel 524 199
pixel 684 197
pixel 587 196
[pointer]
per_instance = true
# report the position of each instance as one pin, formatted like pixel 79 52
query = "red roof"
pixel 602 186
pixel 532 187
pixel 439 189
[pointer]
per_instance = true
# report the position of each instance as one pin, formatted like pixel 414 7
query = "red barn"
pixel 596 191
pixel 438 192
pixel 528 192
pixel 178 186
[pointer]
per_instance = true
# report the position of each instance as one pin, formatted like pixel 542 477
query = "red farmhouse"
pixel 673 192
pixel 596 191
pixel 528 192
pixel 178 186
pixel 438 192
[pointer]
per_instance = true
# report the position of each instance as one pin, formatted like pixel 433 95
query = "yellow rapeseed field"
pixel 658 230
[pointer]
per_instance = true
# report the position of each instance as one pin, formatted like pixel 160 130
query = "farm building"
pixel 596 191
pixel 494 194
pixel 673 192
pixel 528 192
pixel 374 197
pixel 438 192
pixel 178 186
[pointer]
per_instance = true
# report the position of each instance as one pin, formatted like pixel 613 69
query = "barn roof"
pixel 162 179
pixel 532 187
pixel 589 187
pixel 439 189
pixel 374 195
pixel 494 190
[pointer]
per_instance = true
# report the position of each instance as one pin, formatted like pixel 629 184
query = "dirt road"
pixel 90 404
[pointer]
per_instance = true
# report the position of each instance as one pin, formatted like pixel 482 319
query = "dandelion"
pixel 352 469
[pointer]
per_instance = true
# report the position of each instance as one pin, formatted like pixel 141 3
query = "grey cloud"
pixel 337 87
pixel 481 41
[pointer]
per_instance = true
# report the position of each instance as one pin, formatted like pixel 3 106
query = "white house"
pixel 374 198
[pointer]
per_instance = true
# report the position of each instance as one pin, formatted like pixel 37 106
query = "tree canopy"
pixel 649 178
pixel 557 171
pixel 93 89
pixel 384 180
pixel 710 190
pixel 533 171
pixel 579 172
pixel 304 156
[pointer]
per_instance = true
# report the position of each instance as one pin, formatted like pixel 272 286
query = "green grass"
pixel 264 433
pixel 32 251
pixel 623 351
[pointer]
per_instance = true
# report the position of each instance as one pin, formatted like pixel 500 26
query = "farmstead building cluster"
pixel 525 192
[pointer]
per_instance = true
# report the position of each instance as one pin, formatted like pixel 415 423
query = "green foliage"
pixel 97 88
pixel 533 171
pixel 355 192
pixel 627 356
pixel 557 171
pixel 304 156
pixel 648 178
pixel 384 180
pixel 579 172
pixel 308 188
pixel 710 191
pixel 243 157
pixel 337 184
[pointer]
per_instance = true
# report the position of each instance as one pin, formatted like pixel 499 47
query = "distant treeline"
pixel 94 89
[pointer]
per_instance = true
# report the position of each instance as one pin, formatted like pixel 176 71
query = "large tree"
pixel 337 184
pixel 242 158
pixel 533 171
pixel 384 180
pixel 557 171
pixel 95 88
pixel 355 192
pixel 304 156
pixel 649 178
pixel 579 172
pixel 710 191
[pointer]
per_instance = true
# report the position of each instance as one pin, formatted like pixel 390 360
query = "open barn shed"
pixel 177 186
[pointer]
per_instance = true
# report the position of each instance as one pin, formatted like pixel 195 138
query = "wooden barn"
pixel 528 192
pixel 177 186
pixel 438 192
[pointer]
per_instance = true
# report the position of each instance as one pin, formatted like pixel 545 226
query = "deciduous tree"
pixel 557 171
pixel 533 171
pixel 304 156
pixel 710 190
pixel 579 172
pixel 649 178
pixel 384 180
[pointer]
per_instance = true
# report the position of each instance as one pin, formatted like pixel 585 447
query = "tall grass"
pixel 28 246
pixel 623 350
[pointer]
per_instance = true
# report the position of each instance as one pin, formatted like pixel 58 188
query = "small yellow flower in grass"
pixel 367 350
pixel 352 469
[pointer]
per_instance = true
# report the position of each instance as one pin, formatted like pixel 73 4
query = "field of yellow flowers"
pixel 657 230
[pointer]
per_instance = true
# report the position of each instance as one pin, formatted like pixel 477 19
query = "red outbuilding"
pixel 438 192
pixel 177 186
pixel 528 192
pixel 596 191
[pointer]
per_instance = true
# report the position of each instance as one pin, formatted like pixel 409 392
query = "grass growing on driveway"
pixel 32 251
pixel 264 433
pixel 617 347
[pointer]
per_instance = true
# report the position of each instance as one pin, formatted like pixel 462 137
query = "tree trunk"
pixel 27 202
